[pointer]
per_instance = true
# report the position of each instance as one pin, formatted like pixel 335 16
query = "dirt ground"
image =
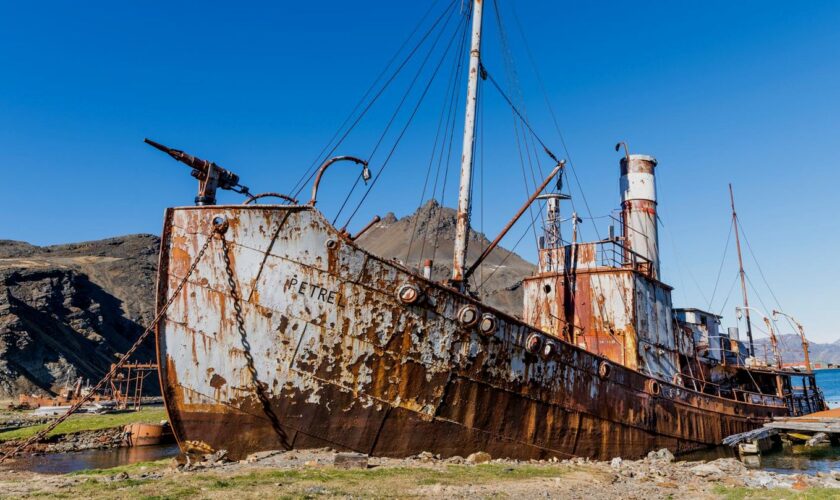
pixel 314 473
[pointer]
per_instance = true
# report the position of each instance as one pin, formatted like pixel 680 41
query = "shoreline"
pixel 327 473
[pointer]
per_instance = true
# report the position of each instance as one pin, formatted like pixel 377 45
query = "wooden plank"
pixel 806 426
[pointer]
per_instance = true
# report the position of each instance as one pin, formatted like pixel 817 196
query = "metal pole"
pixel 463 222
pixel 510 224
pixel 799 327
pixel 741 272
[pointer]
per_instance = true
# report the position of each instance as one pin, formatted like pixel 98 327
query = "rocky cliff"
pixel 68 311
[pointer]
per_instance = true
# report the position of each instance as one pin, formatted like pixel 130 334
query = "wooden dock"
pixel 755 441
pixel 823 421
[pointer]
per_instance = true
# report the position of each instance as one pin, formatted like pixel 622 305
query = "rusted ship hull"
pixel 342 362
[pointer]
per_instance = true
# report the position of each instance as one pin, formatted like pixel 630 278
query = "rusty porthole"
pixel 330 243
pixel 533 343
pixel 549 349
pixel 468 316
pixel 653 387
pixel 604 370
pixel 220 224
pixel 547 288
pixel 488 324
pixel 408 294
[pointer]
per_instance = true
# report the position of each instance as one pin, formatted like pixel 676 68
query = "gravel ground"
pixel 311 473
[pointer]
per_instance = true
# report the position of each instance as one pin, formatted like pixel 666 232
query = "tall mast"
pixel 462 227
pixel 741 272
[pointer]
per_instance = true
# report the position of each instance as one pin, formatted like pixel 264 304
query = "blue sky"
pixel 745 92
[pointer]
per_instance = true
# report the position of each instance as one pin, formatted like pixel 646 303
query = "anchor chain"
pixel 119 364
pixel 260 387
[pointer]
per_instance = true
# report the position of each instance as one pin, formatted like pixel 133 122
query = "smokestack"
pixel 638 208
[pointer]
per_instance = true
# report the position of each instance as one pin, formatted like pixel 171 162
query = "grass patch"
pixel 387 482
pixel 130 468
pixel 744 493
pixel 89 422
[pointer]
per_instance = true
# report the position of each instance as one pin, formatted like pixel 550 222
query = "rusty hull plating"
pixel 346 364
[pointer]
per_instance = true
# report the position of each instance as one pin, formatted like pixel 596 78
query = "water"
pixel 829 382
pixel 62 463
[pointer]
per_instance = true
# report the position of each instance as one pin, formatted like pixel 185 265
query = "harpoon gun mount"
pixel 210 176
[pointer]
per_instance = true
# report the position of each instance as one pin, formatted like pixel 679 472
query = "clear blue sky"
pixel 746 92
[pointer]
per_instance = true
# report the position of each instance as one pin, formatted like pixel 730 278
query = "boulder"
pixel 479 457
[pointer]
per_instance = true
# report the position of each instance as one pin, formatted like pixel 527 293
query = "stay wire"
pixel 320 157
pixel 405 128
pixel 518 113
pixel 379 94
pixel 444 113
pixel 396 112
pixel 722 262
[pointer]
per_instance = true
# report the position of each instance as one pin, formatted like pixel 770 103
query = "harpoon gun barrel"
pixel 210 176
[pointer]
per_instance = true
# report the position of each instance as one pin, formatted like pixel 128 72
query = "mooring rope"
pixel 116 367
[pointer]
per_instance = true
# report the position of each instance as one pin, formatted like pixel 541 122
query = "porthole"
pixel 408 294
pixel 533 343
pixel 549 349
pixel 488 324
pixel 468 316
pixel 604 370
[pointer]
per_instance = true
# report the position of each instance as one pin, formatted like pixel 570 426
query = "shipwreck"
pixel 279 331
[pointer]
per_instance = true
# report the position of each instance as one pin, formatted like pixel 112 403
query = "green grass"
pixel 88 422
pixel 134 468
pixel 743 493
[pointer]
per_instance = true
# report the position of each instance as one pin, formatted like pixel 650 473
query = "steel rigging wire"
pixel 403 131
pixel 402 102
pixel 310 172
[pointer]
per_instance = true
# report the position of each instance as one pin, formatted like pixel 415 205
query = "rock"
pixel 708 471
pixel 457 459
pixel 761 479
pixel 478 457
pixel 261 455
pixel 425 456
pixel 122 476
pixel 350 461
pixel 817 439
pixel 729 465
pixel 65 310
pixel 664 455
pixel 215 458
pixel 615 463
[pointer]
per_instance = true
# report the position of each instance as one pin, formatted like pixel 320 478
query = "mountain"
pixel 67 311
pixel 790 348
pixel 429 233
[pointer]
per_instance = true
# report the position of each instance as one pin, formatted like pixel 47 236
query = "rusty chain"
pixel 119 364
pixel 259 386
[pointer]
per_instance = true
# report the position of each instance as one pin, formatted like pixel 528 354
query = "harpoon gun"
pixel 210 176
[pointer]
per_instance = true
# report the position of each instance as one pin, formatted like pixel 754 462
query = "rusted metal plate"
pixel 346 364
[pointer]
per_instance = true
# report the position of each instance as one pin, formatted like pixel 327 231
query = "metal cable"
pixel 722 262
pixel 405 128
pixel 444 112
pixel 311 171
